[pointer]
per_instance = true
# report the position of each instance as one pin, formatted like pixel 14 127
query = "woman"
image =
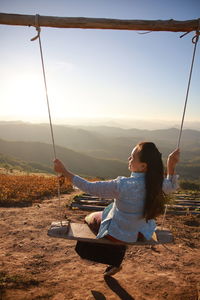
pixel 138 200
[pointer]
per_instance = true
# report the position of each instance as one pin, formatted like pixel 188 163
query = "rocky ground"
pixel 35 266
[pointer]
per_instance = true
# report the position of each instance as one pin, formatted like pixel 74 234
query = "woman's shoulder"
pixel 126 180
pixel 130 183
pixel 122 179
pixel 133 178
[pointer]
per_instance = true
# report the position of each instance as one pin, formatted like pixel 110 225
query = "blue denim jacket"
pixel 123 218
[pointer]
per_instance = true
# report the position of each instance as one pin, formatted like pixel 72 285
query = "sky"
pixel 99 74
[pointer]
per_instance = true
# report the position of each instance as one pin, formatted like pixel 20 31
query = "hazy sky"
pixel 99 73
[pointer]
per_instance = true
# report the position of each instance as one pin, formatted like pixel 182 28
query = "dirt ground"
pixel 36 266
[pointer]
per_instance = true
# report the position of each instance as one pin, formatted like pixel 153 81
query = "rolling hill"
pixel 42 154
pixel 102 141
pixel 94 151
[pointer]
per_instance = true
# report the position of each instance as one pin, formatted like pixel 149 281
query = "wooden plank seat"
pixel 81 232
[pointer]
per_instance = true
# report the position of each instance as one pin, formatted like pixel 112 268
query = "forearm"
pixel 102 189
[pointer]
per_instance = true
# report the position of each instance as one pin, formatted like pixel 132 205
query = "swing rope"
pixel 194 41
pixel 45 81
pixel 38 29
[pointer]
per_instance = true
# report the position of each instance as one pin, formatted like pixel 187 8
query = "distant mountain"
pixel 102 141
pixel 71 137
pixel 10 163
pixel 95 150
pixel 42 155
pixel 38 157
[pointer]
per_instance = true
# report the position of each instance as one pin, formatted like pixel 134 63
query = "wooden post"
pixel 97 23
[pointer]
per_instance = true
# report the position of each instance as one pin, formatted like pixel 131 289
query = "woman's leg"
pixel 102 253
pixel 109 254
pixel 93 220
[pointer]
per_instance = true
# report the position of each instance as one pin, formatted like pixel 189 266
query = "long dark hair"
pixel 155 198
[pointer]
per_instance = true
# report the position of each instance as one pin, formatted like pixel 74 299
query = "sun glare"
pixel 24 98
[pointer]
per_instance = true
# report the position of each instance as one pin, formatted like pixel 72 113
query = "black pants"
pixel 102 253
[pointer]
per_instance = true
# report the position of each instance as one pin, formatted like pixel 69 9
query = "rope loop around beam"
pixel 196 37
pixel 37 27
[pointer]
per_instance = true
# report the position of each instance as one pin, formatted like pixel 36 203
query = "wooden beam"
pixel 98 23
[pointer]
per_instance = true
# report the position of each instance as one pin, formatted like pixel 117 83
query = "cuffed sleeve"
pixel 103 189
pixel 170 184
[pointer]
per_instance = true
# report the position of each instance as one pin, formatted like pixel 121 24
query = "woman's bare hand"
pixel 59 167
pixel 174 156
pixel 172 160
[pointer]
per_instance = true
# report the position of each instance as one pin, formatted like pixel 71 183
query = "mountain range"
pixel 94 150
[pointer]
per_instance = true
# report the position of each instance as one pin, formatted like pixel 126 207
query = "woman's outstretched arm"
pixel 103 189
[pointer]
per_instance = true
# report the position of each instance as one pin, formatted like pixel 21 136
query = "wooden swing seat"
pixel 81 232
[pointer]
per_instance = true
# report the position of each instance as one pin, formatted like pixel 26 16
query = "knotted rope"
pixel 194 41
pixel 45 81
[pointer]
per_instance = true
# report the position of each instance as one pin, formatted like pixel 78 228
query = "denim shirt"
pixel 123 219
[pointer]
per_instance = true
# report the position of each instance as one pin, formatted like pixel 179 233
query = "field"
pixel 23 190
pixel 34 266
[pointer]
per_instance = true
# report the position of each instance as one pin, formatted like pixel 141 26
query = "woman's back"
pixel 132 194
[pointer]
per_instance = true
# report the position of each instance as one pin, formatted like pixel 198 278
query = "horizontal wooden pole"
pixel 97 23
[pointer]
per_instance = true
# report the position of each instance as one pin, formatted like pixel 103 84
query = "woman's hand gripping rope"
pixel 172 160
pixel 64 173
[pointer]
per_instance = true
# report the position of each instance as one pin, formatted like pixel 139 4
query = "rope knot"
pixel 196 37
pixel 37 27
